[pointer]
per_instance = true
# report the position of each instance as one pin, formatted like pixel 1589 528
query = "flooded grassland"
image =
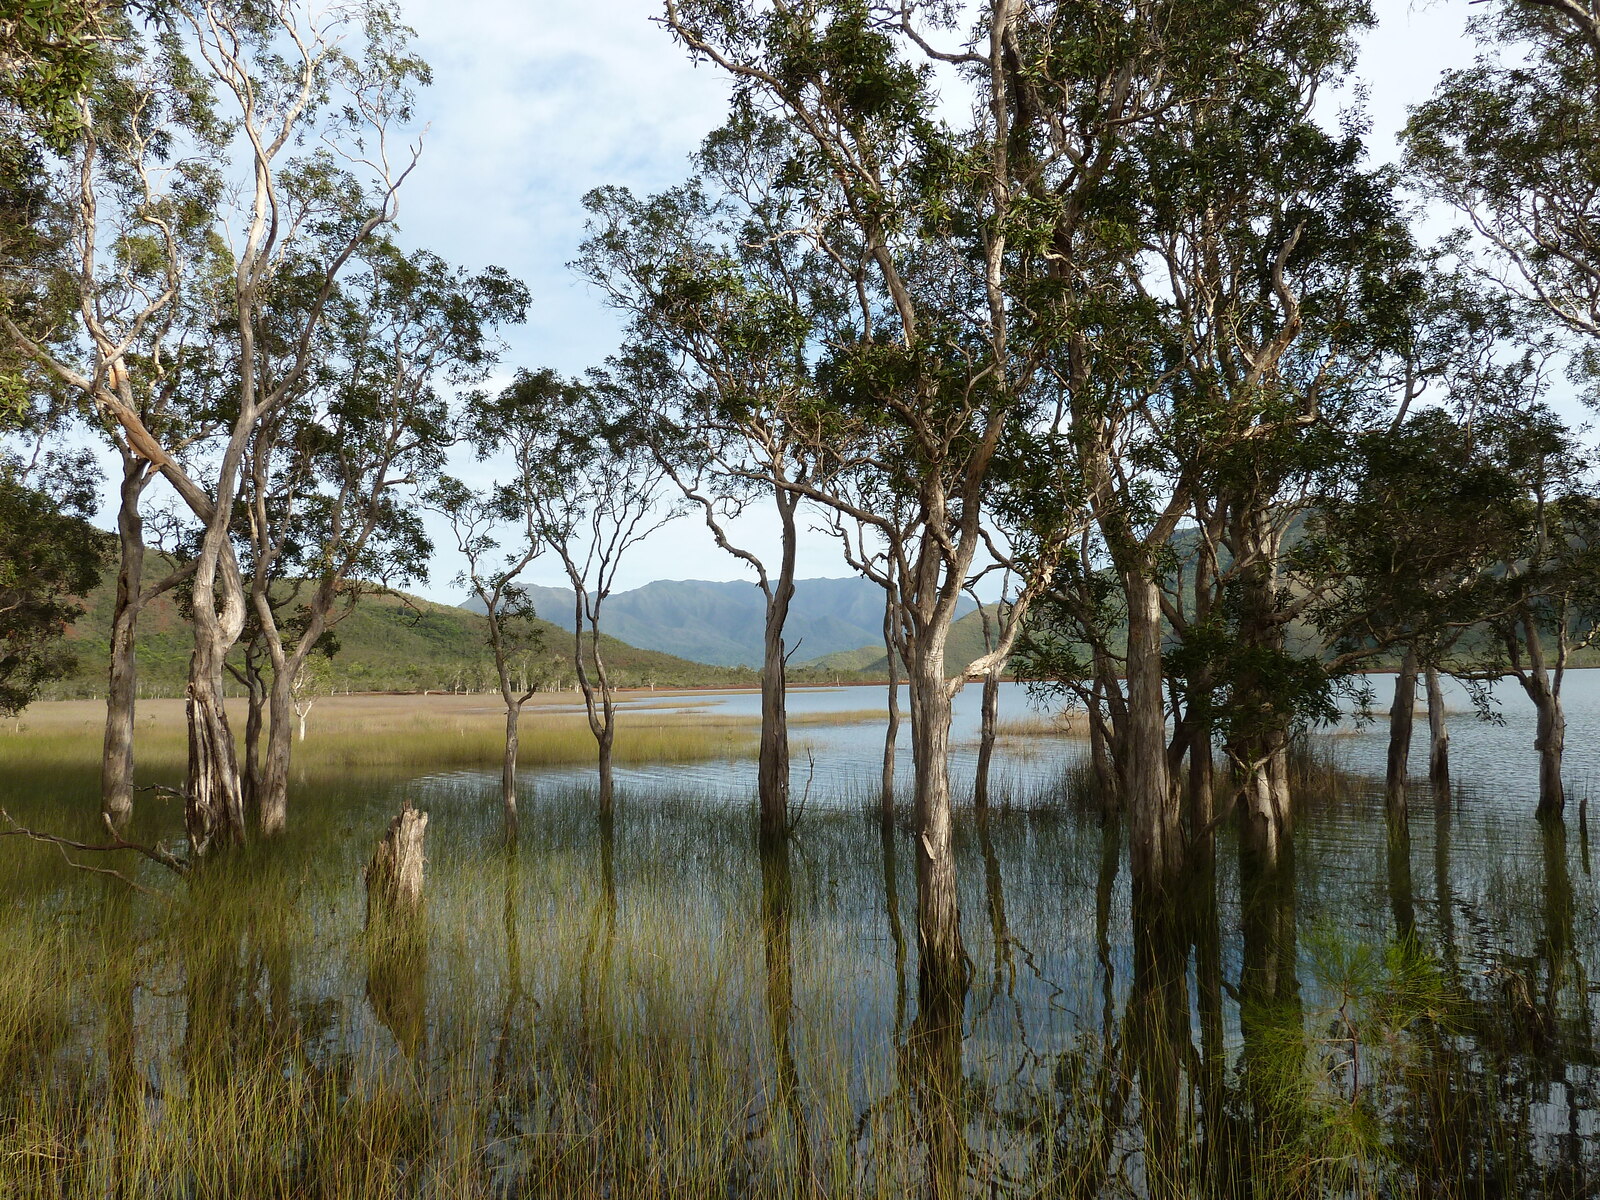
pixel 647 1006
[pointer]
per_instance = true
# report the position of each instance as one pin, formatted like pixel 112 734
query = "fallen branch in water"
pixel 118 842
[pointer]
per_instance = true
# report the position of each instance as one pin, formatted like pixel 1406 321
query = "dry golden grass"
pixel 1068 723
pixel 376 731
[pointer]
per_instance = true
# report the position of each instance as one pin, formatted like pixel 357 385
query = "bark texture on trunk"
pixel 1154 839
pixel 1438 739
pixel 1551 743
pixel 989 720
pixel 1266 817
pixel 772 765
pixel 214 804
pixel 122 689
pixel 607 786
pixel 1401 720
pixel 891 733
pixel 1544 688
pixel 1261 752
pixel 394 877
pixel 508 772
pixel 942 960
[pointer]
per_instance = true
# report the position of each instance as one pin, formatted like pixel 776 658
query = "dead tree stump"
pixel 394 876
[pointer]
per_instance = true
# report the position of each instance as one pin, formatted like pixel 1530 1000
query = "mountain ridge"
pixel 721 622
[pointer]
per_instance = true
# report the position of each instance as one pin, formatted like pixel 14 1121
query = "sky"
pixel 535 102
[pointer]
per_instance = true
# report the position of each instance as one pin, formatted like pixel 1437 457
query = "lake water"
pixel 650 1008
pixel 1494 759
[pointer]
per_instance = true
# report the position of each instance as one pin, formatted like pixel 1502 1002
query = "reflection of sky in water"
pixel 1497 762
pixel 841 763
pixel 1493 760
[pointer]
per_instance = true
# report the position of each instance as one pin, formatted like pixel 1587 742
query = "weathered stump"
pixel 397 944
pixel 394 876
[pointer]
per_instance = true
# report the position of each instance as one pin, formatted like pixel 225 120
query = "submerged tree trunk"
pixel 1261 753
pixel 604 741
pixel 394 876
pixel 1154 839
pixel 891 733
pixel 772 767
pixel 1551 743
pixel 1543 688
pixel 988 719
pixel 214 808
pixel 1401 719
pixel 942 960
pixel 508 772
pixel 986 737
pixel 116 761
pixel 1438 739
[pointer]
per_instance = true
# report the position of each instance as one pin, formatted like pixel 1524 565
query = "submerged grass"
pixel 647 1007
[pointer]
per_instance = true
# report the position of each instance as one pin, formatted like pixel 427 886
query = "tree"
pixel 924 375
pixel 314 680
pixel 323 472
pixel 49 557
pixel 479 521
pixel 724 316
pixel 110 295
pixel 596 492
pixel 1513 144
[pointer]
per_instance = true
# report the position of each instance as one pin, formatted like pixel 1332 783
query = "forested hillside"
pixel 391 642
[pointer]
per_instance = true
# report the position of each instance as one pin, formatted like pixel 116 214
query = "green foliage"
pixel 49 556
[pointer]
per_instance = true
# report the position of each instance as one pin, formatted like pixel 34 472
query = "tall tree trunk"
pixel 214 801
pixel 988 718
pixel 1155 843
pixel 989 721
pixel 942 960
pixel 772 767
pixel 1438 739
pixel 508 772
pixel 1261 752
pixel 116 760
pixel 1400 726
pixel 257 701
pixel 891 733
pixel 1551 742
pixel 603 742
pixel 214 808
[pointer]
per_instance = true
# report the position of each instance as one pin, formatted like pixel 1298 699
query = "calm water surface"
pixel 648 1007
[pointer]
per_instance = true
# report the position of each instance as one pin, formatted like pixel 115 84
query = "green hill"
pixel 387 642
pixel 964 646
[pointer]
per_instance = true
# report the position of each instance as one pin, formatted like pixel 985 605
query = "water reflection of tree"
pixel 778 959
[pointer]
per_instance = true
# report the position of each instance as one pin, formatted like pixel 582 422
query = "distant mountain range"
pixel 721 622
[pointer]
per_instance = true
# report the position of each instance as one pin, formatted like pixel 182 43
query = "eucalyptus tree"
pixel 1401 547
pixel 207 219
pixel 1512 143
pixel 1283 272
pixel 111 278
pixel 325 474
pixel 499 534
pixel 725 311
pixel 1544 603
pixel 924 375
pixel 596 489
pixel 49 556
